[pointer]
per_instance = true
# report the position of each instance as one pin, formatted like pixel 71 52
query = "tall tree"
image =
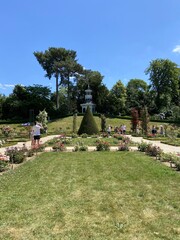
pixel 165 82
pixel 61 64
pixel 2 100
pixel 117 98
pixel 24 98
pixel 137 96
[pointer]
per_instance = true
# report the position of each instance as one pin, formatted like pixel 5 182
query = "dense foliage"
pixel 161 98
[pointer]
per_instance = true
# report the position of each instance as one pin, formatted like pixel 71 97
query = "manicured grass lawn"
pixel 65 125
pixel 90 195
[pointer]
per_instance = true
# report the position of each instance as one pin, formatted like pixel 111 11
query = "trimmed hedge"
pixel 88 124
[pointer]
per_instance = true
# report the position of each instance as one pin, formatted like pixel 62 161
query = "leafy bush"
pixel 172 158
pixel 80 147
pixel 2 142
pixel 59 147
pixel 6 131
pixel 142 146
pixel 30 153
pixel 126 140
pixel 177 163
pixel 16 155
pixel 95 136
pixel 39 148
pixel 74 135
pixel 3 165
pixel 178 135
pixel 104 135
pixel 118 136
pixel 123 146
pixel 66 141
pixel 153 150
pixel 102 146
pixel 84 135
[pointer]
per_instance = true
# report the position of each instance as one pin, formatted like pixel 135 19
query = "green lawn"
pixel 90 195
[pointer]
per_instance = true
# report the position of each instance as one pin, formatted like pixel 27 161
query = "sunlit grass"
pixel 90 195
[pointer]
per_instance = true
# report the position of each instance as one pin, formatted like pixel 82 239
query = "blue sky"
pixel 118 38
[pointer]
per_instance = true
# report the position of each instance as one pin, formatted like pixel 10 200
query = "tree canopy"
pixel 61 64
pixel 164 76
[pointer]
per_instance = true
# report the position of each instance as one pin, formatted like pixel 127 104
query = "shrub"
pixel 102 146
pixel 80 147
pixel 30 153
pixel 177 163
pixel 39 148
pixel 6 131
pixel 2 142
pixel 3 165
pixel 74 135
pixel 88 124
pixel 95 136
pixel 118 136
pixel 59 147
pixel 153 151
pixel 16 155
pixel 104 135
pixel 66 141
pixel 126 140
pixel 84 135
pixel 172 158
pixel 142 146
pixel 123 146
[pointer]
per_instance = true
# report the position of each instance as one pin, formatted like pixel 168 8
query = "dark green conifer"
pixel 88 124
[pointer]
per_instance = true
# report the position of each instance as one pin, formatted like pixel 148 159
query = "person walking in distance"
pixel 37 133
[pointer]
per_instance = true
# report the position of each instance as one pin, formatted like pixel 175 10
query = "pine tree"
pixel 88 124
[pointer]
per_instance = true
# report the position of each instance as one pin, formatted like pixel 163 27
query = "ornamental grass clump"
pixel 102 145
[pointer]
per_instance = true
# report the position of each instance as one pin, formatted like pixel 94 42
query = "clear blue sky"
pixel 118 38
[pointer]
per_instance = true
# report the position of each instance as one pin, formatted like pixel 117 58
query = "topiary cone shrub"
pixel 88 124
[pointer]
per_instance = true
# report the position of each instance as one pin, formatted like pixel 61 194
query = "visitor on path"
pixel 32 137
pixel 37 133
pixel 161 130
pixel 109 130
pixel 154 131
pixel 123 129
